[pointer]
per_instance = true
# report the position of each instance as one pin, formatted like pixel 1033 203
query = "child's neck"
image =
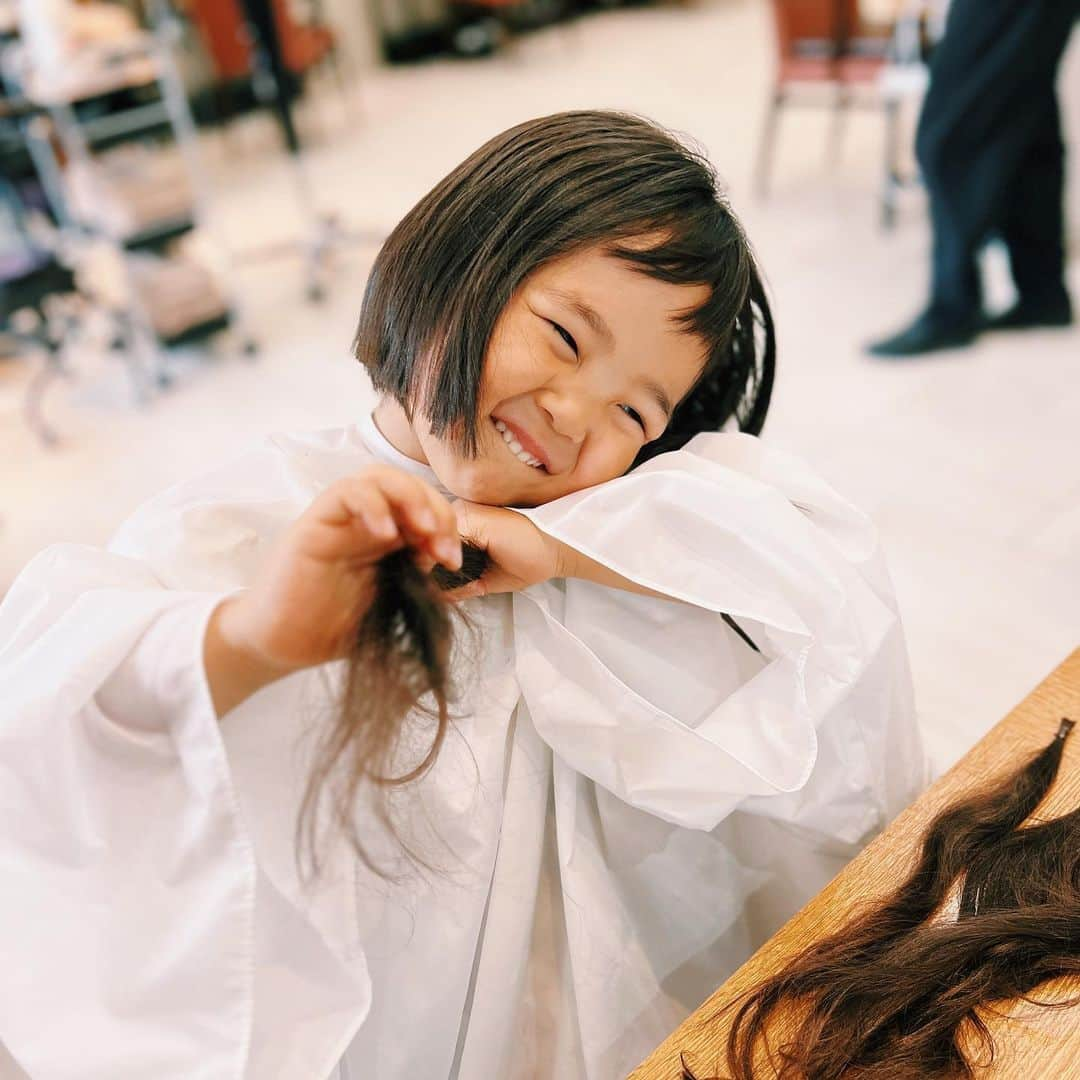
pixel 397 429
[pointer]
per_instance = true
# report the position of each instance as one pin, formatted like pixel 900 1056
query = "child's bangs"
pixel 705 247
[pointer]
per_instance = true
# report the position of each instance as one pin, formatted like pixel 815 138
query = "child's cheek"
pixel 601 462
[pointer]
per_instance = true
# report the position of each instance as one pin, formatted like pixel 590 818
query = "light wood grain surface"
pixel 1030 1043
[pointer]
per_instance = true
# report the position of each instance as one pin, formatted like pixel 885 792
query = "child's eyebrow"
pixel 658 394
pixel 592 318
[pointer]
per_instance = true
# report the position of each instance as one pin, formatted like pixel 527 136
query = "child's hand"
pixel 319 579
pixel 520 553
pixel 523 555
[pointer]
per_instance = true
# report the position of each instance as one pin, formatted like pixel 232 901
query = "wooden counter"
pixel 1046 1041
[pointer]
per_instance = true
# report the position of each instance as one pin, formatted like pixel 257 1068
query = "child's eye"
pixel 634 415
pixel 565 335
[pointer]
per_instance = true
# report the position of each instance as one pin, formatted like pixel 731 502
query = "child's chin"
pixel 471 481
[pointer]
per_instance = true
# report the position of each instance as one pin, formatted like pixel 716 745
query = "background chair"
pixel 224 30
pixel 826 55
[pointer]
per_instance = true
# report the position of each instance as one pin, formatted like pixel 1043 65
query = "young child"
pixel 684 704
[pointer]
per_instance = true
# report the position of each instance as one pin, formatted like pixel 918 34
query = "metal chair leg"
pixel 891 180
pixel 763 168
pixel 49 370
pixel 841 108
pixel 129 346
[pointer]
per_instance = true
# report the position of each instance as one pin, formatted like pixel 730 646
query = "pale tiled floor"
pixel 970 463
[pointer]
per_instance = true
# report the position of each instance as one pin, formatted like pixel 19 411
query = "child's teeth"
pixel 515 447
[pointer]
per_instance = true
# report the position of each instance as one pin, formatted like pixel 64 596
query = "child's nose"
pixel 567 414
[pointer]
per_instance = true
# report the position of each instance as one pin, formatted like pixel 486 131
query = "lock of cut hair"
pixel 890 994
pixel 396 690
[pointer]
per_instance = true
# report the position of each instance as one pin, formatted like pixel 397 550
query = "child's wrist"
pixel 571 563
pixel 234 669
pixel 565 560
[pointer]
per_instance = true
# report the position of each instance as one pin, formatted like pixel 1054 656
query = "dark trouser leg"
pixel 1033 224
pixel 977 127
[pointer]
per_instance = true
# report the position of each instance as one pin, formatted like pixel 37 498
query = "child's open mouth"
pixel 516 448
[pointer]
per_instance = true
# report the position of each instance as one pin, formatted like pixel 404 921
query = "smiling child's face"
pixel 582 369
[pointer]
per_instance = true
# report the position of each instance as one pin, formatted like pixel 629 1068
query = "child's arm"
pixel 521 555
pixel 233 673
pixel 573 564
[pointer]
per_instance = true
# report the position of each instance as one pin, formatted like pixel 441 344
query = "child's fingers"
pixel 467 592
pixel 494 581
pixel 423 514
pixel 424 562
pixel 367 502
pixel 468 523
pixel 394 508
pixel 472 520
pixel 446 543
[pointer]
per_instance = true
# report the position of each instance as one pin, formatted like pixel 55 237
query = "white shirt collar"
pixel 381 447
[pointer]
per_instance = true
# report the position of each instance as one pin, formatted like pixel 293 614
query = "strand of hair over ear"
pixel 898 994
pixel 739 388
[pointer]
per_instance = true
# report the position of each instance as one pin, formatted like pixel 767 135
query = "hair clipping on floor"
pixel 1066 726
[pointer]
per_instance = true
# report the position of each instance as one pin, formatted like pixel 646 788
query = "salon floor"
pixel 970 463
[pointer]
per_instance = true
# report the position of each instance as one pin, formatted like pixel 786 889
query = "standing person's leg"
pixel 977 124
pixel 1034 228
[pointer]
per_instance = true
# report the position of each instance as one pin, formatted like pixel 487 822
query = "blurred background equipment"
pixel 280 51
pixel 301 46
pixel 32 280
pixel 115 152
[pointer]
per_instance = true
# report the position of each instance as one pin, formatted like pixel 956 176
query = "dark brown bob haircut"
pixel 540 191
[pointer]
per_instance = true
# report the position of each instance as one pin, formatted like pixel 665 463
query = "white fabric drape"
pixel 632 798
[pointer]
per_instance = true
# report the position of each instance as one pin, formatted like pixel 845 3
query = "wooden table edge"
pixel 1028 727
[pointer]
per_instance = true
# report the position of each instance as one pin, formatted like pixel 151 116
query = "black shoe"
pixel 1027 315
pixel 928 333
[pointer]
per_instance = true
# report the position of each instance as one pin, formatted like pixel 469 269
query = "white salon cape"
pixel 631 801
